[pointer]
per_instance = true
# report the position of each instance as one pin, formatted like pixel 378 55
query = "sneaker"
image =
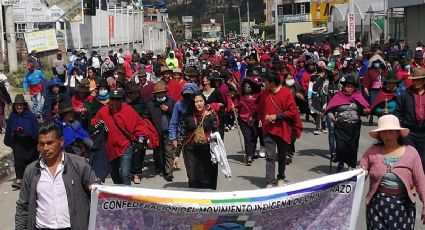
pixel 317 132
pixel 325 131
pixel 288 160
pixel 226 129
pixel 280 183
pixel 269 186
pixel 262 152
pixel 248 161
pixel 169 178
pixel 136 179
pixel 232 127
pixel 16 185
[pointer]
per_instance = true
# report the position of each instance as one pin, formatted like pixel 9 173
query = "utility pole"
pixel 249 23
pixel 11 39
pixel 276 21
pixel 3 46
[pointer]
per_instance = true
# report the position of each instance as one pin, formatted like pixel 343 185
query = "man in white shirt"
pixel 55 190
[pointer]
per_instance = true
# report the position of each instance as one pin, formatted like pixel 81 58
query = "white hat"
pixel 388 122
pixel 297 45
pixel 419 48
pixel 336 52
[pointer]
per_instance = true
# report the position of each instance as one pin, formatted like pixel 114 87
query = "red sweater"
pixel 286 103
pixel 128 119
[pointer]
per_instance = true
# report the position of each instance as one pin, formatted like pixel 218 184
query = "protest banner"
pixel 330 202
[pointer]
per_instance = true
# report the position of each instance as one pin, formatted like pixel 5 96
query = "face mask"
pixel 248 91
pixel 161 99
pixel 290 82
pixel 376 65
pixel 407 67
pixel 187 97
pixel 103 92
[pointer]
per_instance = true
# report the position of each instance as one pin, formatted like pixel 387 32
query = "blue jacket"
pixel 33 78
pixel 363 69
pixel 72 132
pixel 178 111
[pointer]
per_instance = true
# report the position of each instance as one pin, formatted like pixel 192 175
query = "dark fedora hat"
pixel 191 71
pixel 65 107
pixel 391 78
pixel 19 99
pixel 82 89
pixel 131 87
pixel 349 79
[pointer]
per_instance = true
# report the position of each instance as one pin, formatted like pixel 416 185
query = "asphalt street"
pixel 311 160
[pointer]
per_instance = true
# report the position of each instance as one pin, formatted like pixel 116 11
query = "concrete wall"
pixel 415 24
pixel 293 29
pixel 128 30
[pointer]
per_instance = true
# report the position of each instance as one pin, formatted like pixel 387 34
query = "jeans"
pixel 36 104
pixel 331 134
pixel 121 168
pixel 270 143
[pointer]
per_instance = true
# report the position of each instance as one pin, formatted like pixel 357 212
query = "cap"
pixel 116 93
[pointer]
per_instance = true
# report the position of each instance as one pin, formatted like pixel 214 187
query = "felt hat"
pixel 403 61
pixel 116 93
pixel 65 107
pixel 178 70
pixel 191 71
pixel 165 69
pixel 418 73
pixel 82 89
pixel 142 73
pixel 131 87
pixel 388 122
pixel 19 99
pixel 391 78
pixel 349 79
pixel 160 87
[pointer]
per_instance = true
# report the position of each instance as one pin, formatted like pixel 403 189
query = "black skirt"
pixel 347 137
pixel 390 212
pixel 24 152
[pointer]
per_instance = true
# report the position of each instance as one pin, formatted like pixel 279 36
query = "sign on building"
pixel 321 10
pixel 10 2
pixel 41 40
pixel 111 25
pixel 187 19
pixel 351 28
pixel 48 11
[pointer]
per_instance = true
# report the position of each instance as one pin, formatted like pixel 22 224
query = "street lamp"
pixel 240 21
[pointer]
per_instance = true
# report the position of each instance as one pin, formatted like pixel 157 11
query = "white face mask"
pixel 161 99
pixel 290 82
pixel 103 92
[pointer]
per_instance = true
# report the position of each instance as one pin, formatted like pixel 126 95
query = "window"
pixel 280 10
pixel 287 9
pixel 302 8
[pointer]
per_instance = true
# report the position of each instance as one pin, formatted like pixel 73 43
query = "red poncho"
pixel 286 103
pixel 128 119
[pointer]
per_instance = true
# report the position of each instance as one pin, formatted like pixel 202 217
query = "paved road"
pixel 311 161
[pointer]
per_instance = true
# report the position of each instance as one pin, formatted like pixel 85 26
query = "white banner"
pixel 27 11
pixel 41 40
pixel 330 202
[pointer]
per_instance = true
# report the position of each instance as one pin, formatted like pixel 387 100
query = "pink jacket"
pixel 408 168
